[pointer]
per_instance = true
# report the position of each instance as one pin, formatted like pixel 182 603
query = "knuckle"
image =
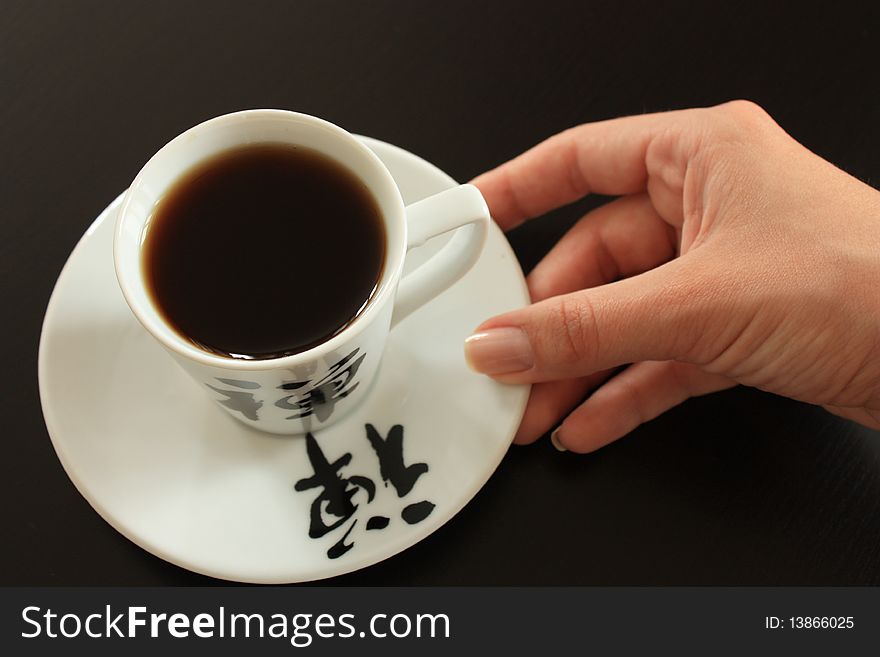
pixel 745 110
pixel 633 407
pixel 576 325
pixel 739 121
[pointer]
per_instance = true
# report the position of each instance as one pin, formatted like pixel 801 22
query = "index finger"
pixel 606 157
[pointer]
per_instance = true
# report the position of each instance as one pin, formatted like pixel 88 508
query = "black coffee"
pixel 264 251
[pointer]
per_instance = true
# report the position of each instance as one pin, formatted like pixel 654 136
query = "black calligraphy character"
pixel 322 397
pixel 417 511
pixel 236 400
pixel 335 496
pixel 340 547
pixel 392 469
pixel 390 453
pixel 377 522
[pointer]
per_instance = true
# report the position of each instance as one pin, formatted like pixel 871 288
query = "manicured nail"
pixel 499 351
pixel 554 440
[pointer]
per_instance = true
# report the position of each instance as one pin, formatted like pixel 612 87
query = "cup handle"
pixel 460 207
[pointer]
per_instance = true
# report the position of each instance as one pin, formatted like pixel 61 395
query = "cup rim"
pixel 150 317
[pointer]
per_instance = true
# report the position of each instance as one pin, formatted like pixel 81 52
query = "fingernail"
pixel 499 351
pixel 554 440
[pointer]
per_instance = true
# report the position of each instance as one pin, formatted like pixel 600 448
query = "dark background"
pixel 735 488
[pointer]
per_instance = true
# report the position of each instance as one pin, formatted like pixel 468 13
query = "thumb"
pixel 658 315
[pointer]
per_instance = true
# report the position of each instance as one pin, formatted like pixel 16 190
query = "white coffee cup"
pixel 312 389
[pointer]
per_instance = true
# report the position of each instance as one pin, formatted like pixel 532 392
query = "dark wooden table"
pixel 735 488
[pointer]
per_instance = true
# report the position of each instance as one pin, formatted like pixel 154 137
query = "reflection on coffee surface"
pixel 264 251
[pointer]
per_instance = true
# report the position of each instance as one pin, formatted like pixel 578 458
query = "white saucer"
pixel 182 479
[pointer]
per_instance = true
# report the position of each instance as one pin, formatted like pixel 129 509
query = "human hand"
pixel 733 255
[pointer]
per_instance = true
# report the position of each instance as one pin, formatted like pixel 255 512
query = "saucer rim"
pixel 313 574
